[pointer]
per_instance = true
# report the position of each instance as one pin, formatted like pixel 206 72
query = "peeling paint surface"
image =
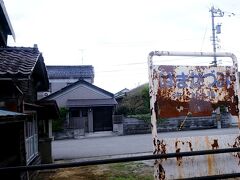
pixel 193 89
pixel 197 91
pixel 195 166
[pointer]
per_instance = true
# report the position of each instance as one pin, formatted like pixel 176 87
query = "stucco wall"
pixel 57 84
pixel 79 92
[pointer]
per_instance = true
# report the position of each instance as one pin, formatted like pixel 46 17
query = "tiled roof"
pixel 17 61
pixel 90 102
pixel 121 93
pixel 66 72
pixel 23 62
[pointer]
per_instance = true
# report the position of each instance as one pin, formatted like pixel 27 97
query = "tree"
pixel 136 102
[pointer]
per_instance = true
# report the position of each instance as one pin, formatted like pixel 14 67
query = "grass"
pixel 117 171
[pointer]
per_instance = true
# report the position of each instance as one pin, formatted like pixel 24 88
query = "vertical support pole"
pixel 159 172
pixel 213 37
pixel 236 89
pixel 50 128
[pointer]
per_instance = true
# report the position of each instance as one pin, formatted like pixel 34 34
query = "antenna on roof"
pixel 35 46
pixel 82 54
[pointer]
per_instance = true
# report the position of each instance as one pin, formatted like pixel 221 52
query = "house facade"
pixel 90 107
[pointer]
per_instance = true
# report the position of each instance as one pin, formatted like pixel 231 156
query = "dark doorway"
pixel 102 119
pixel 12 149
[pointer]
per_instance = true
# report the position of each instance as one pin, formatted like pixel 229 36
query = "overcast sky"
pixel 115 36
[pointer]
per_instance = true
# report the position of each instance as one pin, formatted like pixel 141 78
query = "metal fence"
pixel 17 169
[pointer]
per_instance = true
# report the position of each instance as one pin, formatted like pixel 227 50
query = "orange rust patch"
pixel 210 159
pixel 215 144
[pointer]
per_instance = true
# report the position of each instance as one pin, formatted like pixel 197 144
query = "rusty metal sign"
pixel 197 90
pixel 179 91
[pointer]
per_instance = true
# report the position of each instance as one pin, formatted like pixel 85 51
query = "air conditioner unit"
pixel 45 94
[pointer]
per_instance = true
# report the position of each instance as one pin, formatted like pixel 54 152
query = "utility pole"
pixel 215 13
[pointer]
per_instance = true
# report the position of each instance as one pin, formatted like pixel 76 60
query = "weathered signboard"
pixel 193 89
pixel 177 91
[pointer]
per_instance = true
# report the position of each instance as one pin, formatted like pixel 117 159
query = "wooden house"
pixel 24 121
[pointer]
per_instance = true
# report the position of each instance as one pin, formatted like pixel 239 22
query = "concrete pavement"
pixel 98 146
pixel 101 146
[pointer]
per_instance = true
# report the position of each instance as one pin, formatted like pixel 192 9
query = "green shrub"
pixel 145 117
pixel 137 101
pixel 121 110
pixel 57 124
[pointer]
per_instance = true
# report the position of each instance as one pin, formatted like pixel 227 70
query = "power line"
pixel 230 14
pixel 141 63
pixel 204 36
pixel 129 64
pixel 121 70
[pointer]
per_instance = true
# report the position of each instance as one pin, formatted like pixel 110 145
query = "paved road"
pixel 119 145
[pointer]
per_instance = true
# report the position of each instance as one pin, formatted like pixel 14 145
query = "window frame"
pixel 31 136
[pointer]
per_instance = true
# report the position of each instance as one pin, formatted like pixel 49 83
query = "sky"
pixel 116 36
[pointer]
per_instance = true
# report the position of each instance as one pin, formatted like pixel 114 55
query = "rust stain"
pixel 151 125
pixel 160 147
pixel 215 144
pixel 154 143
pixel 210 164
pixel 190 145
pixel 163 147
pixel 210 159
pixel 178 150
pixel 179 158
pixel 236 144
pixel 160 172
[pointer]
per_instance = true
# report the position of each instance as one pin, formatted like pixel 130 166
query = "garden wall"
pixel 127 126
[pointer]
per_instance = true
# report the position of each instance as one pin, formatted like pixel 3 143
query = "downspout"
pixel 20 105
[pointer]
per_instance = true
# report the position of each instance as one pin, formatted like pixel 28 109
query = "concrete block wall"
pixel 135 126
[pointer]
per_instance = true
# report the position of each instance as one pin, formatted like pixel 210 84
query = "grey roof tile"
pixel 17 61
pixel 66 72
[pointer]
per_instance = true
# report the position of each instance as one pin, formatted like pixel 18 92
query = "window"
pixel 84 113
pixel 31 138
pixel 75 113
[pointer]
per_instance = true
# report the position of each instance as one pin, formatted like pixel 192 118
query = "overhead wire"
pixel 204 37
